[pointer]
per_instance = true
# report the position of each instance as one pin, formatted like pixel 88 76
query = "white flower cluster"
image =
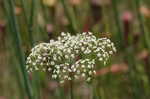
pixel 70 57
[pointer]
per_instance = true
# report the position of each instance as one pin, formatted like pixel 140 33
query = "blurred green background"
pixel 25 23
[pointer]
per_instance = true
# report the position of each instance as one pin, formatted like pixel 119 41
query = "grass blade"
pixel 9 6
pixel 119 35
pixel 70 15
pixel 141 23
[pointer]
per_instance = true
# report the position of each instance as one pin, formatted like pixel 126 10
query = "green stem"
pixel 9 6
pixel 70 15
pixel 135 82
pixel 105 21
pixel 24 5
pixel 30 22
pixel 141 23
pixel 71 89
pixel 118 24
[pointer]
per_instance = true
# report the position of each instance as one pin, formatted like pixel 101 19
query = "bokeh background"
pixel 25 23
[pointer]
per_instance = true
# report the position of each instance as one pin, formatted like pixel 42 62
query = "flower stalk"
pixel 71 89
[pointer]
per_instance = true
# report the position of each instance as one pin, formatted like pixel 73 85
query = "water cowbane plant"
pixel 70 57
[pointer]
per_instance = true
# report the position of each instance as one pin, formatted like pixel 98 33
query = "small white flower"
pixel 44 59
pixel 36 68
pixel 54 76
pixel 41 64
pixel 88 79
pixel 84 70
pixel 94 72
pixel 57 66
pixel 69 51
pixel 66 56
pixel 62 81
pixel 110 52
pixel 28 58
pixel 63 34
pixel 83 74
pixel 63 71
pixel 52 63
pixel 76 77
pixel 69 70
pixel 74 69
pixel 98 55
pixel 100 59
pixel 69 78
pixel 72 55
pixel 82 66
pixel 66 77
pixel 34 64
pixel 90 72
pixel 104 55
pixel 49 69
pixel 82 48
pixel 55 58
